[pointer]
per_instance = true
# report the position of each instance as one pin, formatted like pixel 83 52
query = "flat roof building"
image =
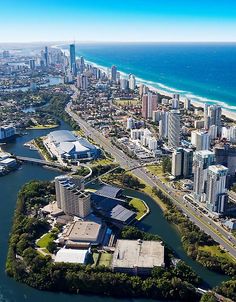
pixel 71 256
pixel 137 257
pixel 84 231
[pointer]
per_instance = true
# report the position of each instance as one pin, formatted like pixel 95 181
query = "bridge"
pixel 52 164
pixel 39 162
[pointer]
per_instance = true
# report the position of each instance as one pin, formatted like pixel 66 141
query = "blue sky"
pixel 119 20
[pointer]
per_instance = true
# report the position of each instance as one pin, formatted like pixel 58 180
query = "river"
pixel 12 291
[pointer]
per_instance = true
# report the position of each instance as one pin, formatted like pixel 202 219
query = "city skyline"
pixel 165 21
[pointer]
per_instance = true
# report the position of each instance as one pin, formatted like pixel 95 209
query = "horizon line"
pixel 113 42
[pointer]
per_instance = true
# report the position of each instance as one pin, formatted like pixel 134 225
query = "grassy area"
pixel 82 171
pixel 44 240
pixel 41 127
pixel 105 259
pixel 140 207
pixel 215 250
pixel 157 171
pixel 79 133
pixel 102 162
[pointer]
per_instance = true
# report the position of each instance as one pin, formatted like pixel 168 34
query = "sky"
pixel 118 20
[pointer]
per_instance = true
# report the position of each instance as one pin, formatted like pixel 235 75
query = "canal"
pixel 12 291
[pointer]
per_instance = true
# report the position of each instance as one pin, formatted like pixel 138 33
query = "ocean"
pixel 200 71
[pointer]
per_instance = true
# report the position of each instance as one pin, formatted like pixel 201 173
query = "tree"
pixel 166 165
pixel 208 297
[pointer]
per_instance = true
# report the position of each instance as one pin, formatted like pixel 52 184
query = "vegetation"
pixel 39 144
pixel 139 207
pixel 166 165
pixel 56 106
pixel 195 241
pixel 208 297
pixel 227 289
pixel 26 265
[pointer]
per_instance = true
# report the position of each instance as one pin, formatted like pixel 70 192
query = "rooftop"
pixel 83 231
pixel 109 191
pixel 138 253
pixel 71 256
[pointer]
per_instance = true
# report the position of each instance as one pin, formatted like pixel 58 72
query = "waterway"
pixel 12 291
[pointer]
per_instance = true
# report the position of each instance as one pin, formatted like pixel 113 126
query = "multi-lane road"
pixel 218 233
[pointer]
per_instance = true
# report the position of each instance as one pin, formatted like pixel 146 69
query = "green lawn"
pixel 44 240
pixel 140 207
pixel 105 259
pixel 215 250
pixel 101 162
pixel 157 171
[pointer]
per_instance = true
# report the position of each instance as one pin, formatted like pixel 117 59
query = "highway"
pixel 203 222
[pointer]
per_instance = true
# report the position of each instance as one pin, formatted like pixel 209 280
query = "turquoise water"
pixel 203 72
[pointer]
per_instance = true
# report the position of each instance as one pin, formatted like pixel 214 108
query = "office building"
pixel 113 73
pixel 200 139
pixel 174 129
pixel 137 257
pixel 216 195
pixel 201 162
pixel 73 67
pixel 71 198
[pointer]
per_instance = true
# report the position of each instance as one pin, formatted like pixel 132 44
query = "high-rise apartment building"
pixel 73 67
pixel 201 162
pixel 174 129
pixel 216 195
pixel 71 197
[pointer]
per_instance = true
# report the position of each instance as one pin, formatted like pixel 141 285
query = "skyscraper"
pixel 216 195
pixel 113 73
pixel 163 124
pixel 202 160
pixel 149 104
pixel 132 82
pixel 46 56
pixel 182 162
pixel 174 129
pixel 73 67
pixel 212 116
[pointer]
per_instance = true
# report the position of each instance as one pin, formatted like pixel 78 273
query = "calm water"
pixel 10 185
pixel 205 72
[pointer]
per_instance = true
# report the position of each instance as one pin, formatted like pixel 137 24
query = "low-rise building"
pixel 137 257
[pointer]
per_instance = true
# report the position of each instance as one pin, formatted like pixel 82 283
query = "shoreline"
pixel 196 103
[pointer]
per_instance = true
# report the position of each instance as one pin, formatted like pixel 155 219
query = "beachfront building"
pixel 137 257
